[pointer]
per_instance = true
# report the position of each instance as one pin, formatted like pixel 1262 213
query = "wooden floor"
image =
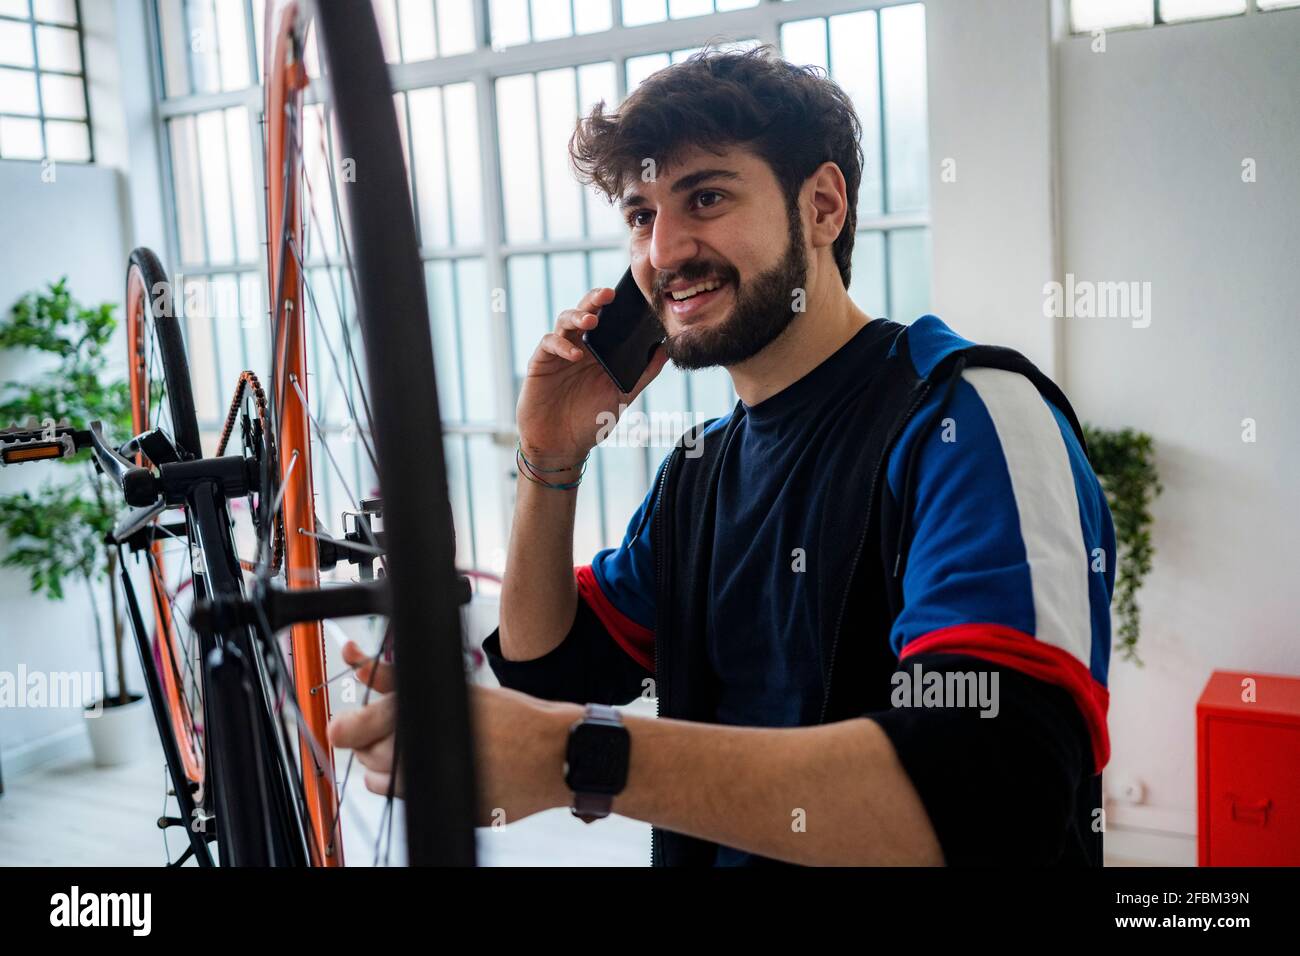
pixel 71 813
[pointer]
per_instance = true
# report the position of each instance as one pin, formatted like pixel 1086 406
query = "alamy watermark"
pixel 83 690
pixel 975 689
pixel 624 429
pixel 1084 299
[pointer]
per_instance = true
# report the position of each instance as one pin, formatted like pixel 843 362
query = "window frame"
pixel 40 116
pixel 482 68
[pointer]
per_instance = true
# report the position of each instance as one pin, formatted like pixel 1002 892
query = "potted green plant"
pixel 1124 461
pixel 56 533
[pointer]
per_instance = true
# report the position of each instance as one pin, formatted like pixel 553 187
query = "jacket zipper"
pixel 660 666
pixel 871 496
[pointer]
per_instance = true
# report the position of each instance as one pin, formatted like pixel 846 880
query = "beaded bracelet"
pixel 530 471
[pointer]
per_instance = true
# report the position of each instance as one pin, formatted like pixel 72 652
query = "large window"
pixel 1089 15
pixel 488 92
pixel 44 111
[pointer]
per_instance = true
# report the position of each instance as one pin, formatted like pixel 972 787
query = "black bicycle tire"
pixel 432 692
pixel 171 348
pixel 180 397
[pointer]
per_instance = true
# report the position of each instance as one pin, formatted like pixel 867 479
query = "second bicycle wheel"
pixel 353 205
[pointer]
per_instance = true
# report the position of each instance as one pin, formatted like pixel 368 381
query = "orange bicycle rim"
pixel 285 80
pixel 137 301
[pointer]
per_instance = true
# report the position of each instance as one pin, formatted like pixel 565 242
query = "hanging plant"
pixel 1124 461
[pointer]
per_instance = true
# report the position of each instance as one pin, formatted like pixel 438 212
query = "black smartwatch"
pixel 595 762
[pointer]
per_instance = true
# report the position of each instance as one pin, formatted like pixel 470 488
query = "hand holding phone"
pixel 624 341
pixel 568 388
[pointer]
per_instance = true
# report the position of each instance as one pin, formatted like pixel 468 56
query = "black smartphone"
pixel 625 340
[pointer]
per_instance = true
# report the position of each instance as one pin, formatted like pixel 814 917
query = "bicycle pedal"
pixel 19 445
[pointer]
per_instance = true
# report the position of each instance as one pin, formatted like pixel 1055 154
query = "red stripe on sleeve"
pixel 638 641
pixel 1017 650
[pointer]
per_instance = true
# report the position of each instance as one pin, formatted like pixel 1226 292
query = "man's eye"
pixel 631 217
pixel 708 192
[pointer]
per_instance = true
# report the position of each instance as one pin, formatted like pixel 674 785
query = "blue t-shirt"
pixel 1011 555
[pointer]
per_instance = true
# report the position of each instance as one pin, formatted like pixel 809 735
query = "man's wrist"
pixel 560 721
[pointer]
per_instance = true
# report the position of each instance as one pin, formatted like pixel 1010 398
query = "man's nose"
pixel 672 243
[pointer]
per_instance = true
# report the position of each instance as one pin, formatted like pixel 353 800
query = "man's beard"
pixel 763 309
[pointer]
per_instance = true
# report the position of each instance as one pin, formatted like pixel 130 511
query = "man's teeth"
pixel 709 286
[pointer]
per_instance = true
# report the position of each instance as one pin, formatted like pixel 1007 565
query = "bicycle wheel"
pixel 369 247
pixel 214 706
pixel 161 397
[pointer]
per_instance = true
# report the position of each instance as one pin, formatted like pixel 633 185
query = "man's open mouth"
pixel 692 299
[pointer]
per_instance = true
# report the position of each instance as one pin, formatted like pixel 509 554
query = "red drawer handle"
pixel 1254 813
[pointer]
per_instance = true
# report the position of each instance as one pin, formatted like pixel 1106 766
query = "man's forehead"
pixel 688 170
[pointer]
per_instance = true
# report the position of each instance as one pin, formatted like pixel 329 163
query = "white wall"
pixel 81 222
pixel 1154 131
pixel 989 78
pixel 74 227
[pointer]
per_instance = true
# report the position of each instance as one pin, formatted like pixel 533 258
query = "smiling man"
pixel 874 611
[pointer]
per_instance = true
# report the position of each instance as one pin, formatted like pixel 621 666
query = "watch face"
pixel 597 759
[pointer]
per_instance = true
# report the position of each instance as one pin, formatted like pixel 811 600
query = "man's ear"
pixel 828 193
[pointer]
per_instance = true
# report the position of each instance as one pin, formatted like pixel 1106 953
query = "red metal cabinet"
pixel 1248 771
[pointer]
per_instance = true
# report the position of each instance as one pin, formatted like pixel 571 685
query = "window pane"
pixel 418 41
pixel 386 17
pixel 595 84
pixel 171 30
pixel 855 67
pixel 487 474
pixel 637 12
pixel 520 169
pixel 213 170
pixel 58 48
pixel 185 178
pixel 1276 4
pixel 455 27
pixel 476 324
pixel 198 342
pixel 20 138
pixel 464 164
pixel 724 5
pixel 509 23
pixel 909 273
pixel 592 16
pixel 429 162
pixel 446 347
pixel 551 19
pixel 568 275
pixel 680 9
pixel 244 192
pixel 18 92
pixel 557 99
pixel 527 307
pixel 1174 10
pixel 711 393
pixel 867 279
pixel 640 67
pixel 67 141
pixel 16 44
pixel 55 11
pixel 906 137
pixel 1087 15
pixel 803 42
pixel 453 447
pixel 63 96
pixel 623 486
pixel 232 44
pixel 204 59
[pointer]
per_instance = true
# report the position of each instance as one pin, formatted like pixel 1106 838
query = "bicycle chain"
pixel 248 379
